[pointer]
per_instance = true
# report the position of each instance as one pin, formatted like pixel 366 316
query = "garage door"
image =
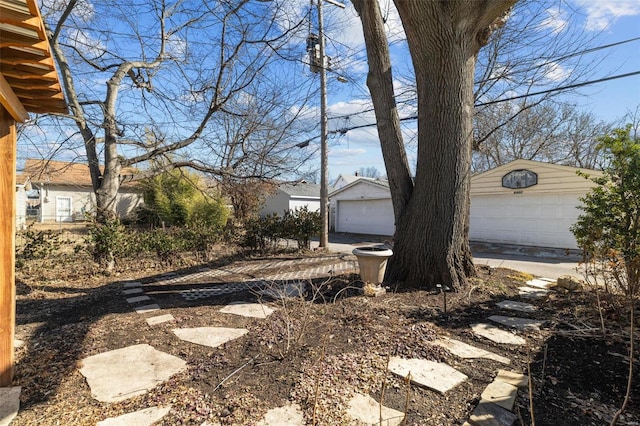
pixel 365 217
pixel 542 220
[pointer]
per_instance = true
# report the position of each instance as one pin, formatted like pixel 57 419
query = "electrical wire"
pixel 542 92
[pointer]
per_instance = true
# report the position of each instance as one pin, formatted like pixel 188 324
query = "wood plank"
pixel 11 103
pixel 7 245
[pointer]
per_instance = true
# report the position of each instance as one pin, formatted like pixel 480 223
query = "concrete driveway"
pixel 543 262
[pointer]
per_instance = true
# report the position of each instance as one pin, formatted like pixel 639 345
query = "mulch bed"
pixel 315 352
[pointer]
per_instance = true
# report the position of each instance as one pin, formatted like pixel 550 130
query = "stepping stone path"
pixel 144 417
pixel 209 336
pixel 9 404
pixel 517 323
pixel 123 373
pixel 429 374
pixel 466 351
pixel 497 335
pixel 251 310
pixel 498 398
pixel 288 415
pixel 160 319
pixel 367 410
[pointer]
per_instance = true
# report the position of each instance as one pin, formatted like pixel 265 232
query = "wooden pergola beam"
pixel 11 103
pixel 7 243
pixel 28 83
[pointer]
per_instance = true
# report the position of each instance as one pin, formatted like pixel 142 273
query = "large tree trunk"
pixel 380 83
pixel 431 241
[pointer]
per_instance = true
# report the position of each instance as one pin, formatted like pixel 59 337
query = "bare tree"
pixel 370 172
pixel 134 69
pixel 549 132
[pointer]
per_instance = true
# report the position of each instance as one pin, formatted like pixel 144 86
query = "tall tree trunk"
pixel 431 241
pixel 380 83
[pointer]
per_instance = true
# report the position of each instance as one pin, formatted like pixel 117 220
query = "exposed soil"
pixel 315 352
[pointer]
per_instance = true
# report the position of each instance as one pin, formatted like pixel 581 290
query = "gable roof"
pixel 300 189
pixel 55 172
pixel 362 181
pixel 28 80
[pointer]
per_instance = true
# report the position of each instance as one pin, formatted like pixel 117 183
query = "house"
pixel 362 207
pixel 289 196
pixel 523 202
pixel 66 193
pixel 527 203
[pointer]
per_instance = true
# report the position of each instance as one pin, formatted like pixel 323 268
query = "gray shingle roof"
pixel 301 189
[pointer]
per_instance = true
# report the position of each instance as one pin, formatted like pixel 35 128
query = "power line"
pixel 561 58
pixel 542 92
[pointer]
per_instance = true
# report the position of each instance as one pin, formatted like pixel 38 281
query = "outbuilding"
pixel 527 203
pixel 363 207
pixel 292 196
pixel 523 202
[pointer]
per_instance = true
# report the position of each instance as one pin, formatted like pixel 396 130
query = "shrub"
pixel 609 229
pixel 299 224
pixel 107 242
pixel 38 244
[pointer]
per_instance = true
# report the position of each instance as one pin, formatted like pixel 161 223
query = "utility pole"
pixel 324 150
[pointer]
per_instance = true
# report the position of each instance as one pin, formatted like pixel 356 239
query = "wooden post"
pixel 7 244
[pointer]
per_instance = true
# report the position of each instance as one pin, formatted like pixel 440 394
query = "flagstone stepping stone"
pixel 517 322
pixel 131 284
pixel 287 291
pixel 145 417
pixel 497 335
pixel 490 414
pixel 288 415
pixel 538 283
pixel 134 290
pixel 466 351
pixel 532 293
pixel 500 393
pixel 517 306
pixel 159 319
pixel 251 310
pixel 367 410
pixel 430 374
pixel 123 373
pixel 516 379
pixel 209 336
pixel 9 404
pixel 137 299
pixel 147 308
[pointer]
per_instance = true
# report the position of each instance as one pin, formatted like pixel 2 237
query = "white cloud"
pixel 556 20
pixel 554 71
pixel 348 152
pixel 603 13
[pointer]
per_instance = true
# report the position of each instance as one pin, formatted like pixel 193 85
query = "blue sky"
pixel 600 22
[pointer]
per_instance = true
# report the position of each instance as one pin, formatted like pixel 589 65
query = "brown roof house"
pixel 66 194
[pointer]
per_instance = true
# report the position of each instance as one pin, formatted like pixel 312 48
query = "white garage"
pixel 363 207
pixel 527 203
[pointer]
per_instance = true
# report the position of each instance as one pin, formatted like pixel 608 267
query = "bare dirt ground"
pixel 315 351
